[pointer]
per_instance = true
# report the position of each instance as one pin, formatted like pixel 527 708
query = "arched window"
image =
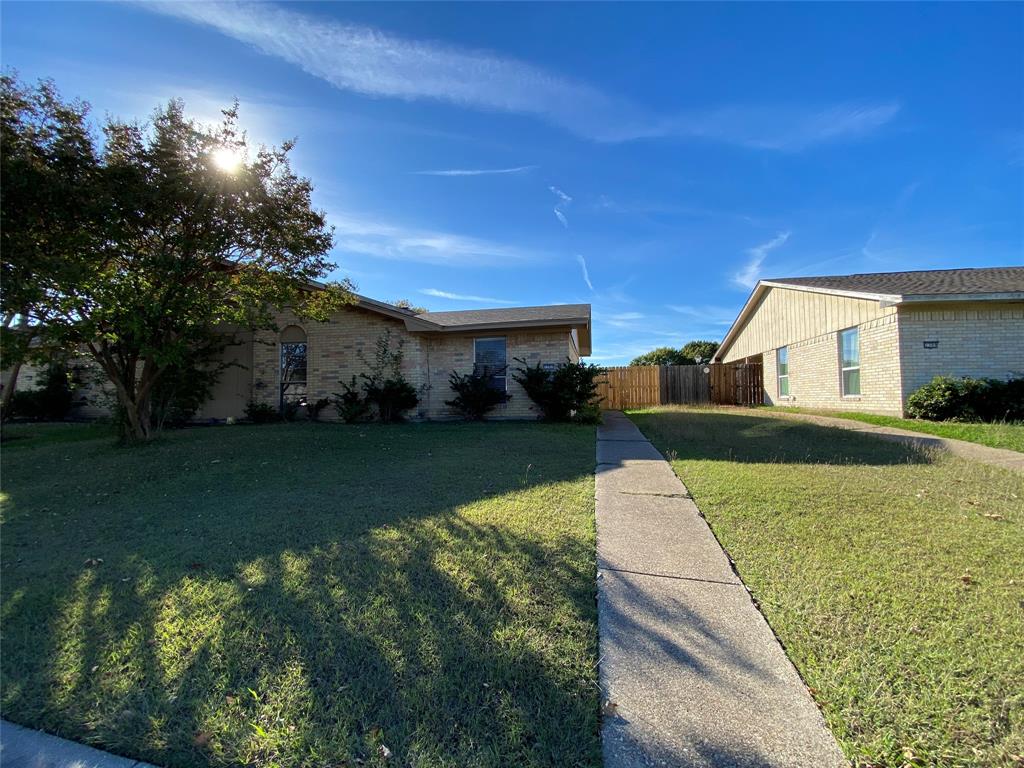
pixel 293 365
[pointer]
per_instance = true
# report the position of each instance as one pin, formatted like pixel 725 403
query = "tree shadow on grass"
pixel 736 436
pixel 310 609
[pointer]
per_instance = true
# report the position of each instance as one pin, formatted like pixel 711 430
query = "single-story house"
pixel 307 360
pixel 866 342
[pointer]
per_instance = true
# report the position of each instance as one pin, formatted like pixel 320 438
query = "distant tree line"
pixel 691 353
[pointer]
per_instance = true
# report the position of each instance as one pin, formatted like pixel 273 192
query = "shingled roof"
pixel 553 314
pixel 932 283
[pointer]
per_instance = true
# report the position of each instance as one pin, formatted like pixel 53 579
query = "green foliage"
pixel 350 403
pixel 687 355
pixel 157 243
pixel 946 398
pixel 185 385
pixel 52 402
pixel 384 387
pixel 474 395
pixel 565 393
pixel 699 351
pixel 262 413
pixel 661 356
pixel 406 304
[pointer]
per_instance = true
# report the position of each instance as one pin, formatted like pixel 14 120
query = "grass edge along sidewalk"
pixel 890 574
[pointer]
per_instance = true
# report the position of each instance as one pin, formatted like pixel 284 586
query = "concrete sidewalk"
pixel 997 457
pixel 25 748
pixel 693 673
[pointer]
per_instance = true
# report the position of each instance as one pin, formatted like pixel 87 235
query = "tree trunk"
pixel 9 384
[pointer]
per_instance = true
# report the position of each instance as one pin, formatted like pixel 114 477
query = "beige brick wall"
pixel 814 378
pixel 334 350
pixel 980 340
pixel 448 353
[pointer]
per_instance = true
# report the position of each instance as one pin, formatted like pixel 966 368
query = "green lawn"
pixel 894 578
pixel 995 435
pixel 300 595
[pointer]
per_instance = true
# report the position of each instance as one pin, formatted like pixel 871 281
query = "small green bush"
pixel 349 403
pixel 391 397
pixel 474 395
pixel 947 398
pixel 261 413
pixel 567 392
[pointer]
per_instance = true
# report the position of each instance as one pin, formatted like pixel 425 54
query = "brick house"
pixel 866 342
pixel 306 360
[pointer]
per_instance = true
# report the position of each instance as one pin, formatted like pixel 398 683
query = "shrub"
pixel 946 398
pixel 350 404
pixel 261 413
pixel 567 392
pixel 385 388
pixel 315 409
pixel 474 395
pixel 52 401
pixel 182 389
pixel 392 397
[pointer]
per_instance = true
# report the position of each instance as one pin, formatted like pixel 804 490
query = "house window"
pixel 849 361
pixel 294 352
pixel 489 360
pixel 782 364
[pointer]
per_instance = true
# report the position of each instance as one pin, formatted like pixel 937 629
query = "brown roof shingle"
pixel 931 282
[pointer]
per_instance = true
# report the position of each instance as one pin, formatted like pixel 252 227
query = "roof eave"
pixel 932 298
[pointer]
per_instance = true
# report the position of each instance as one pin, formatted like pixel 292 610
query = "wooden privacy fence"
pixel 638 386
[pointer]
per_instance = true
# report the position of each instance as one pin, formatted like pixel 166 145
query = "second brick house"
pixel 866 342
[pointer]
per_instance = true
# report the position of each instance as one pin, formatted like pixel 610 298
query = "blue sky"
pixel 652 160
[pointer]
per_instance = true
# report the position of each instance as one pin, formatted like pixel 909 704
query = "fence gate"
pixel 737 383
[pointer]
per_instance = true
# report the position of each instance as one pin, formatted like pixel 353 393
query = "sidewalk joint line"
pixel 673 576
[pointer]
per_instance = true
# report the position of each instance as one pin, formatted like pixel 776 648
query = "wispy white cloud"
pixel 564 201
pixel 705 314
pixel 751 272
pixel 787 128
pixel 368 61
pixel 583 268
pixel 463 297
pixel 370 236
pixel 476 171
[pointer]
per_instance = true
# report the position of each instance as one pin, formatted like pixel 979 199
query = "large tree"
pixel 189 230
pixel 48 173
pixel 700 351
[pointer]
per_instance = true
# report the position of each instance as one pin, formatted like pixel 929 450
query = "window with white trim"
pixel 490 360
pixel 782 365
pixel 849 361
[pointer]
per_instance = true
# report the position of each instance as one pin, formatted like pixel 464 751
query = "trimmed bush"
pixel 349 403
pixel 474 395
pixel 567 392
pixel 261 413
pixel 947 398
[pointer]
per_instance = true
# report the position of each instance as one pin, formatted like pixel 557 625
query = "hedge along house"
pixel 307 360
pixel 866 342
